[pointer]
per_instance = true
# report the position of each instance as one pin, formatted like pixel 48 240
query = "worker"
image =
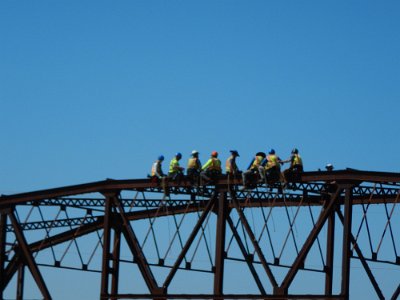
pixel 175 170
pixel 296 165
pixel 194 167
pixel 231 167
pixel 272 166
pixel 156 168
pixel 212 167
pixel 254 168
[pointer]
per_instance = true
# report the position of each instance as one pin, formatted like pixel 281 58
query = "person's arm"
pixel 251 163
pixel 208 163
pixel 159 172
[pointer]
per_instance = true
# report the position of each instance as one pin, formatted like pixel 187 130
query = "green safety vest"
pixel 174 166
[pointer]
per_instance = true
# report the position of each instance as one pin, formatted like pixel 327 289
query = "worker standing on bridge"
pixel 212 167
pixel 231 166
pixel 194 167
pixel 175 170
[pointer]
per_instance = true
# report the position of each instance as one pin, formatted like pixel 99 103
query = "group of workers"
pixel 264 167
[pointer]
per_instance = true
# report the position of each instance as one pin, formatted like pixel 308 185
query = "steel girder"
pixel 114 216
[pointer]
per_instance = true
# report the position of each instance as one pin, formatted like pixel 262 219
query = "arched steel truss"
pixel 270 233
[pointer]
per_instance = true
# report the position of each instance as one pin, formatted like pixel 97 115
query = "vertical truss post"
pixel 20 282
pixel 330 246
pixel 105 268
pixel 3 239
pixel 220 245
pixel 348 214
pixel 362 259
pixel 116 257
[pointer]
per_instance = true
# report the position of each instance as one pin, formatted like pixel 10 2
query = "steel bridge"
pixel 207 242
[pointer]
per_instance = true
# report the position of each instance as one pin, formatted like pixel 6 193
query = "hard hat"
pixel 262 154
pixel 235 152
pixel 178 155
pixel 214 154
pixel 194 152
pixel 295 151
pixel 272 151
pixel 329 167
pixel 161 157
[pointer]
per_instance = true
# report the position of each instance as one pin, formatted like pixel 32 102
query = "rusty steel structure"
pixel 298 241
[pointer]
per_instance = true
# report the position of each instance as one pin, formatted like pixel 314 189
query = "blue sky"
pixel 98 89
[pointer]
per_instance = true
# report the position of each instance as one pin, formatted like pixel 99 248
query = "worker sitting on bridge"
pixel 296 165
pixel 212 167
pixel 254 169
pixel 272 167
pixel 156 168
pixel 194 167
pixel 231 166
pixel 175 170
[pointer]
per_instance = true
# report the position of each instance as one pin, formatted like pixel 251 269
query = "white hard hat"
pixel 195 152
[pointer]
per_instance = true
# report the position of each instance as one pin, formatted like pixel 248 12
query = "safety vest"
pixel 154 168
pixel 230 162
pixel 214 164
pixel 297 160
pixel 174 166
pixel 257 162
pixel 193 163
pixel 272 161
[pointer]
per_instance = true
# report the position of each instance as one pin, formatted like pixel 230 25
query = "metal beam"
pixel 299 261
pixel 362 259
pixel 330 246
pixel 28 258
pixel 112 185
pixel 189 242
pixel 220 244
pixel 20 282
pixel 346 256
pixel 137 251
pixel 246 256
pixel 3 240
pixel 116 257
pixel 105 266
pixel 253 240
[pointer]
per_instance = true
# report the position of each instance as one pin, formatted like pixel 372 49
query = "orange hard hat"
pixel 214 153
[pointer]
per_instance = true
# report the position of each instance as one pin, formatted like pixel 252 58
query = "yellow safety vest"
pixel 174 166
pixel 214 164
pixel 257 162
pixel 272 161
pixel 193 163
pixel 229 164
pixel 297 160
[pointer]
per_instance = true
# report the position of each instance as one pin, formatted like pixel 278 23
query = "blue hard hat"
pixel 178 155
pixel 272 151
pixel 161 157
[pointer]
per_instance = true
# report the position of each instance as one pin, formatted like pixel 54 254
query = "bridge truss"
pixel 309 240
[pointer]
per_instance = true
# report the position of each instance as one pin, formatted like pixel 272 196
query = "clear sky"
pixel 98 89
